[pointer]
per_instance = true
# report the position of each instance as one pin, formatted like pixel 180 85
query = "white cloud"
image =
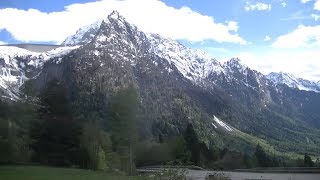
pixel 149 15
pixel 303 64
pixel 302 37
pixel 2 43
pixel 317 5
pixel 267 38
pixel 315 16
pixel 305 1
pixel 257 7
pixel 284 4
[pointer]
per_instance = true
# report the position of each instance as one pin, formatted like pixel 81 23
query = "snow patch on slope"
pixel 222 124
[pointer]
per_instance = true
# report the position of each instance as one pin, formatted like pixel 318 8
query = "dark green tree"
pixel 308 161
pixel 56 134
pixel 193 144
pixel 262 157
pixel 123 110
pixel 5 149
pixel 179 150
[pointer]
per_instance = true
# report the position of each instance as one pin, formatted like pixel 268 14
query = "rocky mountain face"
pixel 293 82
pixel 229 104
pixel 18 65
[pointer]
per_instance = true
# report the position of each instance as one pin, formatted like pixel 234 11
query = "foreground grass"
pixel 50 173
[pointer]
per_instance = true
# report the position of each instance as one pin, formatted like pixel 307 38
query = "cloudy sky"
pixel 267 35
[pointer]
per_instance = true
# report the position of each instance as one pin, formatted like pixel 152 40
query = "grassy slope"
pixel 49 173
pixel 269 148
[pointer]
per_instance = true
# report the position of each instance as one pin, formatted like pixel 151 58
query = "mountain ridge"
pixel 293 82
pixel 177 86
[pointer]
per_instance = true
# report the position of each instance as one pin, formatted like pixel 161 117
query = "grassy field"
pixel 50 173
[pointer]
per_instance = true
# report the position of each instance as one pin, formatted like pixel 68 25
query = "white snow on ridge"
pixel 193 64
pixel 9 52
pixel 222 124
pixel 59 52
pixel 79 36
pixel 293 82
pixel 14 60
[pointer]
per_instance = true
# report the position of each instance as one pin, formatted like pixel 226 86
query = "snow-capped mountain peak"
pixel 236 63
pixel 116 16
pixel 115 30
pixel 84 35
pixel 293 82
pixel 192 64
pixel 124 39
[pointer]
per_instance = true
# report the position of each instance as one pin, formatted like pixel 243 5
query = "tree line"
pixel 50 129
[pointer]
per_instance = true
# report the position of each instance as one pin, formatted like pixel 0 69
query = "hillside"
pixel 229 105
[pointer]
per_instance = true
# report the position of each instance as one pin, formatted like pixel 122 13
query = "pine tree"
pixel 56 134
pixel 193 144
pixel 308 161
pixel 124 109
pixel 261 156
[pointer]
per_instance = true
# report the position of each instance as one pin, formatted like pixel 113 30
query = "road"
pixel 201 175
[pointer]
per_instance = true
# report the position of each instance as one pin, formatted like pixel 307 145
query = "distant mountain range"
pixel 294 82
pixel 229 104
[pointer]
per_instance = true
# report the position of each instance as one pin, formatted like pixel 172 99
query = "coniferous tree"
pixel 5 150
pixel 193 144
pixel 308 161
pixel 262 157
pixel 124 109
pixel 56 134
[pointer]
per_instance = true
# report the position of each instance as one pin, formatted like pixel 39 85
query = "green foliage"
pixel 123 120
pixel 56 134
pixel 90 108
pixel 201 155
pixel 250 161
pixel 99 132
pixel 152 153
pixel 193 144
pixel 14 131
pixel 308 161
pixel 262 157
pixel 229 160
pixel 123 110
pixel 317 163
pixel 97 144
pixel 179 150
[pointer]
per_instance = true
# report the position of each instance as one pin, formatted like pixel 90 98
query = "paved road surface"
pixel 200 175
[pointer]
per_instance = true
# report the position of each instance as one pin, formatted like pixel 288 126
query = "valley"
pixel 110 90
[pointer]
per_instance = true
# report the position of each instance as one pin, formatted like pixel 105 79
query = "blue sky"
pixel 266 34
